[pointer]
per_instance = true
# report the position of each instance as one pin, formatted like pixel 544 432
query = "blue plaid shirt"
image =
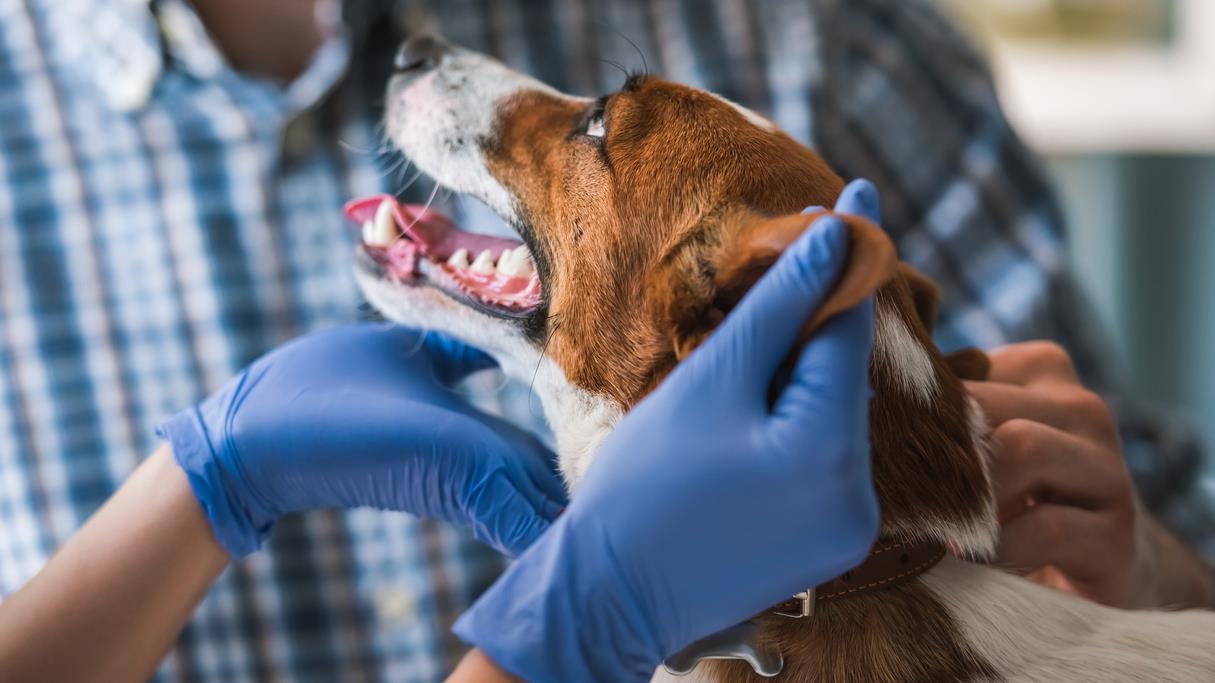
pixel 164 220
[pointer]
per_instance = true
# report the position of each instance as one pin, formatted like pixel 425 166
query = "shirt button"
pixel 394 603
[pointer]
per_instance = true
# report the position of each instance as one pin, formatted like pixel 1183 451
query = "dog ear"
pixel 924 293
pixel 702 285
pixel 967 363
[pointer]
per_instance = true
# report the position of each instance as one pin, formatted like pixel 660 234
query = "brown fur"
pixel 646 241
pixel 900 635
pixel 968 363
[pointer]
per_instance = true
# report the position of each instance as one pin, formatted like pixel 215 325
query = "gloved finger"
pixel 860 198
pixel 813 208
pixel 830 381
pixel 539 463
pixel 503 518
pixel 544 487
pixel 746 349
pixel 453 360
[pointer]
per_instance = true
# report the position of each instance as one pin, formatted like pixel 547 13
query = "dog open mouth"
pixel 414 245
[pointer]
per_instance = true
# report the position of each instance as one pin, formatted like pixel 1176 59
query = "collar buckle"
pixel 799 607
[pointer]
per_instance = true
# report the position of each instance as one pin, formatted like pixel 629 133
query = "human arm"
pixel 362 416
pixel 357 416
pixel 111 602
pixel 477 667
pixel 1070 515
pixel 717 479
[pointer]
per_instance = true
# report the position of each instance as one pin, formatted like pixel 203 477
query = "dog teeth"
pixel 459 259
pixel 523 262
pixel 382 230
pixel 515 262
pixel 506 262
pixel 484 265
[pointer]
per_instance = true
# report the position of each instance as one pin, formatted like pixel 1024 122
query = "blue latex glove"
pixel 362 416
pixel 704 506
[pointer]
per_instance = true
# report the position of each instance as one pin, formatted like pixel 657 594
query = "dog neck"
pixel 929 439
pixel 930 462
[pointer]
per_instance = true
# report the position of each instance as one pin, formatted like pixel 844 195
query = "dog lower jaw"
pixel 580 420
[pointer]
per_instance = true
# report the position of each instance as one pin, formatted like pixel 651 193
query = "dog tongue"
pixel 437 235
pixel 430 234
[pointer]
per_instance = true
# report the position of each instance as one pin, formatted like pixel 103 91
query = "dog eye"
pixel 594 126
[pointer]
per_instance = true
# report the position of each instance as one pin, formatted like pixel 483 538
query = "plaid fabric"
pixel 164 220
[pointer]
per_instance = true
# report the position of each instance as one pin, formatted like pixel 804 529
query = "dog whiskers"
pixel 531 387
pixel 417 345
pixel 618 65
pixel 398 167
pixel 425 207
pixel 418 216
pixel 645 65
pixel 382 148
pixel 409 183
pixel 369 313
pixel 401 173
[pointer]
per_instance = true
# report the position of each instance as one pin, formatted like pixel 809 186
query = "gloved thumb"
pixel 860 198
pixel 830 382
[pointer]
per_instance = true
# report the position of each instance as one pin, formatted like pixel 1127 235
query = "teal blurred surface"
pixel 1142 230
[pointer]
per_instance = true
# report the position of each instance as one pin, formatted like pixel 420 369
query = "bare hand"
pixel 1070 516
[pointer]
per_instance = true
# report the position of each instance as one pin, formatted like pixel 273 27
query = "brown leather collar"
pixel 889 564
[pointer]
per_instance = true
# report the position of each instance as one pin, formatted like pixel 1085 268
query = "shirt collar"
pixel 114 44
pixel 121 47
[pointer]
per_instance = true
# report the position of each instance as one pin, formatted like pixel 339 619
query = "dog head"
pixel 644 216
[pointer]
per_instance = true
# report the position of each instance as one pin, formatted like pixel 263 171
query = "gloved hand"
pixel 704 506
pixel 362 416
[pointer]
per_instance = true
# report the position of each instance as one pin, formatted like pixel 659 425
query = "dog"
pixel 643 217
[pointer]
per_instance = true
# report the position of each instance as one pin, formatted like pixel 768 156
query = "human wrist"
pixel 237 528
pixel 171 497
pixel 570 621
pixel 1181 578
pixel 478 667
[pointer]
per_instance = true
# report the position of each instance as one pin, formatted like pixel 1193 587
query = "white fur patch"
pixel 439 119
pixel 1033 634
pixel 975 539
pixel 754 118
pixel 981 542
pixel 579 419
pixel 902 356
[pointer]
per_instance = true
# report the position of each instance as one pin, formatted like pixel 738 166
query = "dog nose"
pixel 419 54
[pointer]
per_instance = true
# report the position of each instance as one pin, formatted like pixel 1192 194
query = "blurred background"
pixel 1118 97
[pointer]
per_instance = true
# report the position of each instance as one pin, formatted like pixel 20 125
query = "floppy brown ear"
pixel 751 244
pixel 968 363
pixel 924 293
